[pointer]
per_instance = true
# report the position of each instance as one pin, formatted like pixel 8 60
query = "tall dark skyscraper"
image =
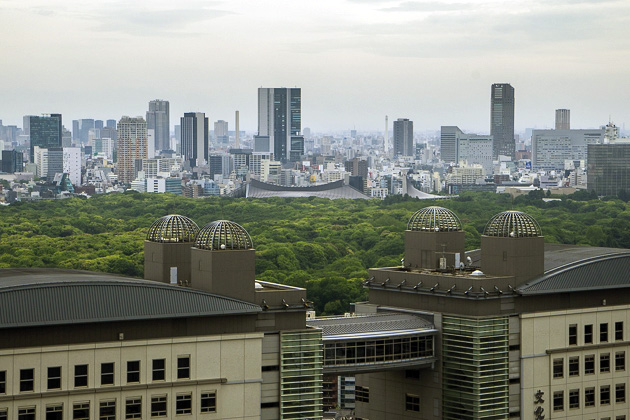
pixel 502 119
pixel 280 123
pixel 403 137
pixel 12 161
pixel 158 120
pixel 46 131
pixel 194 137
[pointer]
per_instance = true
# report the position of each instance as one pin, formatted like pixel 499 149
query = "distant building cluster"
pixel 199 157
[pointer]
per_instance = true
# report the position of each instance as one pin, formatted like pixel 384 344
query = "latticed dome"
pixel 173 228
pixel 435 219
pixel 512 224
pixel 223 234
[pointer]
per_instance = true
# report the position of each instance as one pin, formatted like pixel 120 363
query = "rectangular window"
pixel 81 410
pixel 412 402
pixel 558 401
pixel 183 367
pixel 362 394
pixel 589 364
pixel 588 334
pixel 27 381
pixel 80 376
pixel 558 368
pixel 133 408
pixel 620 360
pixel 3 381
pixel 589 397
pixel 574 366
pixel 54 377
pixel 603 333
pixel 26 413
pixel 574 398
pixel 4 414
pixel 619 331
pixel 54 412
pixel 604 362
pixel 573 335
pixel 183 404
pixel 133 371
pixel 159 369
pixel 107 374
pixel 622 417
pixel 209 402
pixel 620 393
pixel 158 406
pixel 107 410
pixel 604 395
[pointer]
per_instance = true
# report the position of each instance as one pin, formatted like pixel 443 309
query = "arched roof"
pixel 434 219
pixel 173 228
pixel 223 235
pixel 512 224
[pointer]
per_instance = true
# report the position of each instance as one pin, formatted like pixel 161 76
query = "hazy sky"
pixel 355 60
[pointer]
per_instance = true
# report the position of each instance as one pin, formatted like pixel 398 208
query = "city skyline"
pixel 374 58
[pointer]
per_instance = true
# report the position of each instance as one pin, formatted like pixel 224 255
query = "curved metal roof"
pixel 595 273
pixel 512 224
pixel 223 235
pixel 35 297
pixel 332 190
pixel 366 324
pixel 434 219
pixel 173 228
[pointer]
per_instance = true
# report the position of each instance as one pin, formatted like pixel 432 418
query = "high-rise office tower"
pixel 563 119
pixel 46 131
pixel 502 119
pixel 403 137
pixel 110 124
pixel 132 147
pixel 221 132
pixel 12 161
pixel 158 120
pixel 26 124
pixel 98 124
pixel 82 128
pixel 280 123
pixel 194 134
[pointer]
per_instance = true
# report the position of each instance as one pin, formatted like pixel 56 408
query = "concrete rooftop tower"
pixel 167 249
pixel 434 239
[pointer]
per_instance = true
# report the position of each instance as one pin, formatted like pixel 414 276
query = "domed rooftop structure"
pixel 434 219
pixel 223 235
pixel 173 228
pixel 512 224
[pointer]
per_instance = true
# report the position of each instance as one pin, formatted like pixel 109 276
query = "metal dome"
pixel 434 219
pixel 223 235
pixel 173 228
pixel 512 224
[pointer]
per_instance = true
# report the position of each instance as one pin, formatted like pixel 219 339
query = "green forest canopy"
pixel 323 245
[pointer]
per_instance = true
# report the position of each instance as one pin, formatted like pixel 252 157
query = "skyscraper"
pixel 280 123
pixel 563 119
pixel 132 147
pixel 158 120
pixel 46 131
pixel 403 137
pixel 502 119
pixel 194 133
pixel 221 132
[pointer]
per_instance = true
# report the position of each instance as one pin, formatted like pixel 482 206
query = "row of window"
pixel 362 394
pixel 588 333
pixel 53 379
pixel 133 408
pixel 589 397
pixel 589 364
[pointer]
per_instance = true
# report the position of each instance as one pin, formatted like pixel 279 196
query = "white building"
pixel 72 164
pixel 550 148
